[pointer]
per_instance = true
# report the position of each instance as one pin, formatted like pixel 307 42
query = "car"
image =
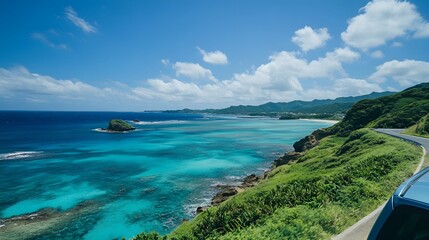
pixel 406 213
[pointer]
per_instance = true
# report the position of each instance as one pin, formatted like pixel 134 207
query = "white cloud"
pixel 19 85
pixel 277 80
pixel 216 57
pixel 285 69
pixel 422 30
pixel 382 21
pixel 171 90
pixel 22 89
pixel 307 38
pixel 355 87
pixel 406 73
pixel 193 70
pixel 165 61
pixel 397 44
pixel 223 92
pixel 79 22
pixel 340 88
pixel 343 55
pixel 377 54
pixel 45 40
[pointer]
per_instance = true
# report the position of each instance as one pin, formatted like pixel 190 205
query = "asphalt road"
pixel 361 229
pixel 424 142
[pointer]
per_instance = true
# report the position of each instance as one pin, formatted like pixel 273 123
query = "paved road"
pixel 361 229
pixel 424 142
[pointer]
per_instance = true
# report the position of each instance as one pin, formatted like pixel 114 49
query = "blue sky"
pixel 154 55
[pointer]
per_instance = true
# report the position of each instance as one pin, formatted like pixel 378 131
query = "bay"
pixel 112 185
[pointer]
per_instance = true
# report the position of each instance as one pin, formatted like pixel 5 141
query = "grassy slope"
pixel 420 129
pixel 331 187
pixel 344 178
pixel 399 110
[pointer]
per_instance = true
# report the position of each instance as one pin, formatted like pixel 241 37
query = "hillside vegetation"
pixel 320 194
pixel 400 110
pixel 327 188
pixel 421 128
pixel 325 106
pixel 316 106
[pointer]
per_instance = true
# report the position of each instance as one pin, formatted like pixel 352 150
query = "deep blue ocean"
pixel 112 185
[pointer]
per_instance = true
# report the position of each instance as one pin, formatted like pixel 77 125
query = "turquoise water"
pixel 146 180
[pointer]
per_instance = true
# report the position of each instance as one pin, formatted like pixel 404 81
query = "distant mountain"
pixel 400 110
pixel 331 106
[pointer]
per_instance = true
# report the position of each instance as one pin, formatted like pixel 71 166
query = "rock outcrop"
pixel 301 146
pixel 285 159
pixel 311 140
pixel 224 194
pixel 250 181
pixel 227 191
pixel 117 125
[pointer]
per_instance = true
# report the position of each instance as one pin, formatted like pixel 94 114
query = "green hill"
pixel 400 110
pixel 347 172
pixel 329 106
pixel 319 195
pixel 316 106
pixel 421 128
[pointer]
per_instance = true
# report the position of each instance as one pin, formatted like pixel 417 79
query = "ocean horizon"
pixel 99 185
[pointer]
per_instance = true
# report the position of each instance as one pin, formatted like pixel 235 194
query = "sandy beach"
pixel 320 120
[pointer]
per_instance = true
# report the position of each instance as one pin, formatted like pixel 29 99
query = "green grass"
pixel 412 131
pixel 322 193
pixel 400 110
pixel 421 128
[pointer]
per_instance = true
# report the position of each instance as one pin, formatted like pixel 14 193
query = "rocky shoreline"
pixel 37 225
pixel 300 147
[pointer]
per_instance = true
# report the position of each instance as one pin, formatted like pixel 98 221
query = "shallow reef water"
pixel 83 184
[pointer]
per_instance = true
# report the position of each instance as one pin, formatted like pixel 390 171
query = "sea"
pixel 84 183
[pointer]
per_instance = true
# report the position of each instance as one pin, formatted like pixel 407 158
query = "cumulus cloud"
pixel 19 83
pixel 377 54
pixel 172 90
pixel 384 20
pixel 45 40
pixel 340 88
pixel 406 73
pixel 223 93
pixel 193 70
pixel 285 69
pixel 307 38
pixel 277 80
pixel 79 22
pixel 397 44
pixel 422 30
pixel 355 87
pixel 343 55
pixel 216 57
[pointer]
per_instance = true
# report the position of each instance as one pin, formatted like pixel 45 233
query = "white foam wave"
pixel 103 130
pixel 158 122
pixel 99 130
pixel 235 178
pixel 191 208
pixel 19 155
pixel 218 184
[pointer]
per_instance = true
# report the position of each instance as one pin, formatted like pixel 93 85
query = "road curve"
pixel 361 229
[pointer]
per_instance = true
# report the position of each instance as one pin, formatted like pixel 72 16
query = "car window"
pixel 406 222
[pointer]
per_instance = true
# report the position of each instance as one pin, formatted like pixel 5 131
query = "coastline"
pixel 300 147
pixel 53 218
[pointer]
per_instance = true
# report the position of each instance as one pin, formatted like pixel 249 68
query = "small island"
pixel 118 125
